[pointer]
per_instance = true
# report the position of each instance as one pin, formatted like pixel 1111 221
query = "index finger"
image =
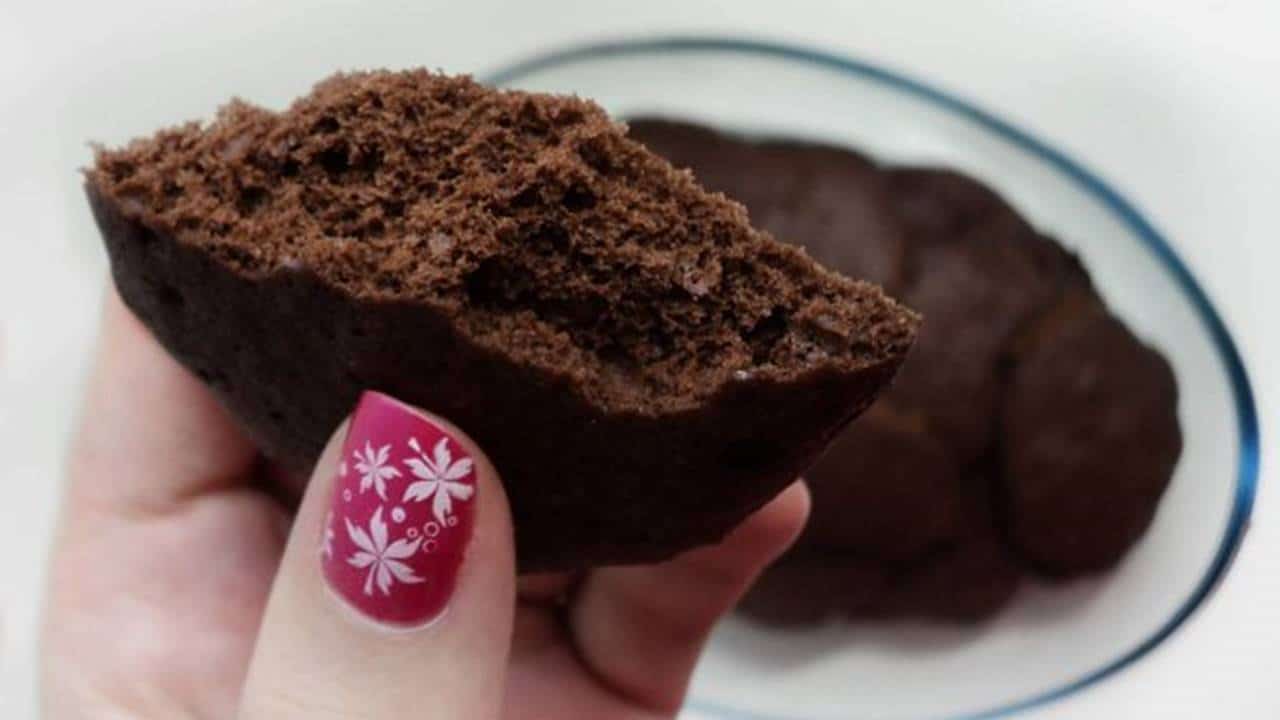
pixel 151 434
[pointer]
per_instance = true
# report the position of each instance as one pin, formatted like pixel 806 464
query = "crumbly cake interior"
pixel 532 220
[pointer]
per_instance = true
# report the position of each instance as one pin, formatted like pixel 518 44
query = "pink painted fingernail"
pixel 401 516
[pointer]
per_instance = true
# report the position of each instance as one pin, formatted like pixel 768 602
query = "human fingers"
pixel 397 589
pixel 641 629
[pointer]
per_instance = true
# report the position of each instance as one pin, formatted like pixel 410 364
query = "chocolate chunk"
pixel 643 368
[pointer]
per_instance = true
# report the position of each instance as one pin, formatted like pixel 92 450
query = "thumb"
pixel 396 593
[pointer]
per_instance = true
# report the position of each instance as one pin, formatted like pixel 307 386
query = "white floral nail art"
pixel 439 478
pixel 382 560
pixel 407 502
pixel 374 470
pixel 326 545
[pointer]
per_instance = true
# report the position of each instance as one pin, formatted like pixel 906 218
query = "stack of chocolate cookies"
pixel 1028 433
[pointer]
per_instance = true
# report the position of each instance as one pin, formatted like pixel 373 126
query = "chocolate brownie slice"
pixel 642 366
pixel 831 201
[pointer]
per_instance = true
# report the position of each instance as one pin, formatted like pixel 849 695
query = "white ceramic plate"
pixel 1050 642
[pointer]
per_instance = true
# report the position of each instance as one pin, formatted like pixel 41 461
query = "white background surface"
pixel 1176 103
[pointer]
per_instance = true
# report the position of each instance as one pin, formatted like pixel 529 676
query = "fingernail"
pixel 401 516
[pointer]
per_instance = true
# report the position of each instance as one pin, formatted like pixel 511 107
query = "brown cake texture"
pixel 1028 433
pixel 795 190
pixel 643 367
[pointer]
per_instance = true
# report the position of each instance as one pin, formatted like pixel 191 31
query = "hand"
pixel 182 589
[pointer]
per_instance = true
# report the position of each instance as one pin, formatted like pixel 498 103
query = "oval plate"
pixel 1050 642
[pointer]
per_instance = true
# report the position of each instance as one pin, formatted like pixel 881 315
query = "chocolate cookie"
pixel 642 366
pixel 964 581
pixel 808 589
pixel 991 454
pixel 940 205
pixel 886 490
pixel 940 498
pixel 979 272
pixel 1090 441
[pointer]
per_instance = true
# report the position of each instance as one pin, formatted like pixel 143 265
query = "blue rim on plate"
pixel 1246 413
